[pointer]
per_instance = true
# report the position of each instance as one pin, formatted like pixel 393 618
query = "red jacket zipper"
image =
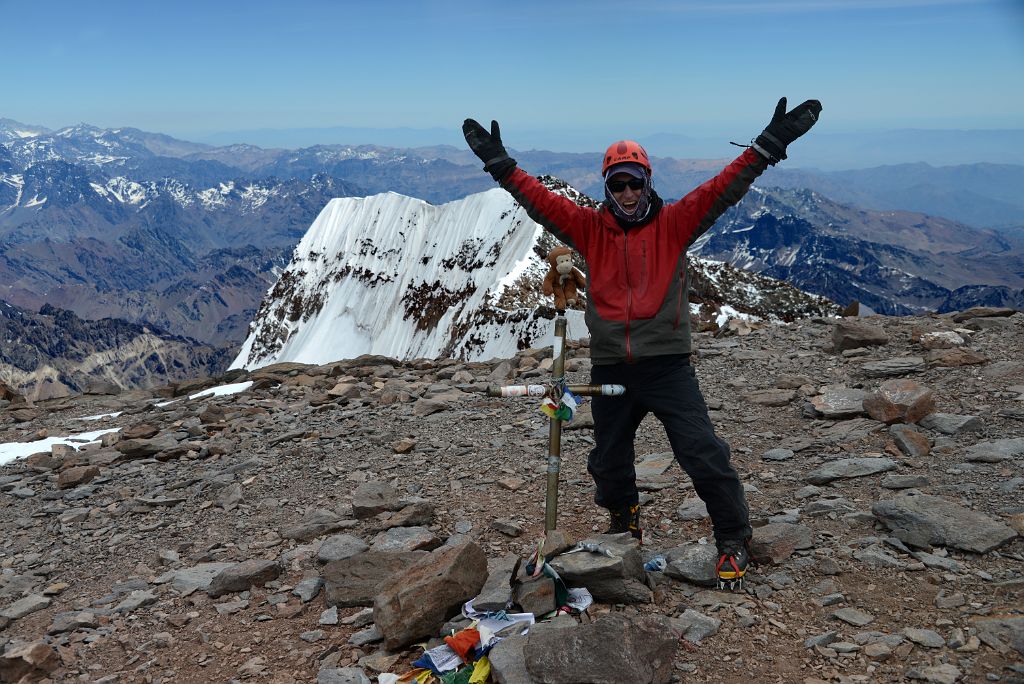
pixel 629 296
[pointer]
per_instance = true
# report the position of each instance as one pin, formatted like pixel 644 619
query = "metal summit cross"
pixel 559 394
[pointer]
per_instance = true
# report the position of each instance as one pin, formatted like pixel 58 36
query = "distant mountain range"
pixel 825 149
pixel 979 194
pixel 54 353
pixel 189 238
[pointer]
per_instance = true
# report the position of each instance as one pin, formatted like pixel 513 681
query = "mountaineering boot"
pixel 733 558
pixel 626 519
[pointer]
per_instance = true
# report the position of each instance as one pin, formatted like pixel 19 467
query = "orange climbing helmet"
pixel 625 151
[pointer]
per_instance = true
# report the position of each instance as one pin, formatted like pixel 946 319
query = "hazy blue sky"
pixel 615 68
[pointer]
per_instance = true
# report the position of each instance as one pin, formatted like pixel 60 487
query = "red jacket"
pixel 637 299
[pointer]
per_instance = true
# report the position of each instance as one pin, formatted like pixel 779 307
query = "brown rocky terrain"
pixel 206 539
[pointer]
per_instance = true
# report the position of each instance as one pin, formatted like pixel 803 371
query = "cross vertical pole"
pixel 555 429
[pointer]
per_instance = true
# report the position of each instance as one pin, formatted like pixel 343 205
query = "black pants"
pixel 666 386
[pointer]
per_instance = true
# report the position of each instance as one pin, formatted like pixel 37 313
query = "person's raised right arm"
pixel 565 219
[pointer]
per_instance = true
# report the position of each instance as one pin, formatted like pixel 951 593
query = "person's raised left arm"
pixel 699 209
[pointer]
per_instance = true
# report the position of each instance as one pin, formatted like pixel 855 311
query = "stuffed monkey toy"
pixel 563 279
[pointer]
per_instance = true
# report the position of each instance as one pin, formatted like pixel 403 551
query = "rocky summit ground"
pixel 883 459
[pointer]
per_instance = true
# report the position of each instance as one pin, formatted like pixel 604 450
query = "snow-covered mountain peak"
pixel 394 275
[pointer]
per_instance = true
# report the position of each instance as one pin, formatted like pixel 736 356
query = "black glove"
pixel 785 127
pixel 488 147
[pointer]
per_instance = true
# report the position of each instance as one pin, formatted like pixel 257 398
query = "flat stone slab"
pixel 1008 629
pixel 892 368
pixel 922 521
pixel 25 606
pixel 653 467
pixel 198 577
pixel 849 467
pixel 694 626
pixel 837 401
pixel 951 423
pixel 398 539
pixel 996 451
pixel 340 547
pixel 852 616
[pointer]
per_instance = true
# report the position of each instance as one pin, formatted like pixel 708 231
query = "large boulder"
pixel 852 334
pixel 643 653
pixel 415 602
pixel 922 520
pixel 900 401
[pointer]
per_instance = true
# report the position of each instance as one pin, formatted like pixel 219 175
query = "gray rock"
pixel 187 580
pixel 853 616
pixel 643 654
pixel 508 662
pixel 694 563
pixel 497 590
pixel 340 546
pixel 69 622
pixel 316 524
pixel 937 562
pixel 413 603
pixel 837 401
pixel 1009 630
pixel 534 595
pixel 904 481
pixel 329 616
pixel 996 451
pixel 922 520
pixel 828 506
pixel 372 498
pixel 775 542
pixel 242 576
pixel 891 368
pixel 849 467
pixel 951 424
pixel 135 600
pixel 924 637
pixel 25 606
pixel 509 528
pixel 355 581
pixel 342 675
pixel 692 509
pixel 936 674
pixel 777 454
pixel 821 639
pixel 405 539
pixel 144 448
pixel 370 635
pixel 877 557
pixel 412 514
pixel 852 334
pixel 652 469
pixel 695 626
pixel 309 588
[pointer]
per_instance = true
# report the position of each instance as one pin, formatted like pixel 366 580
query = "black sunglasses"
pixel 620 185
